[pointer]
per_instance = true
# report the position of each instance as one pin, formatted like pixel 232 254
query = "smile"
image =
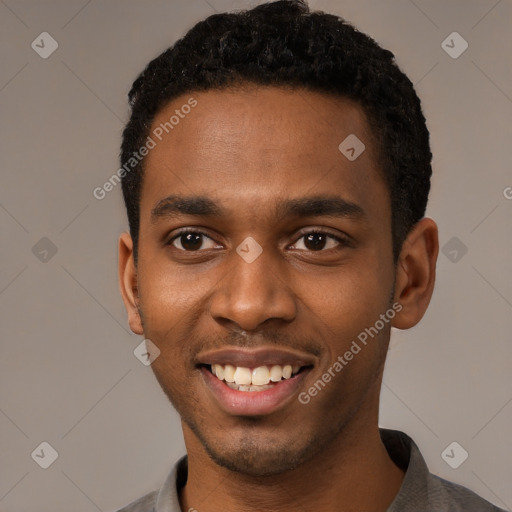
pixel 254 382
pixel 261 378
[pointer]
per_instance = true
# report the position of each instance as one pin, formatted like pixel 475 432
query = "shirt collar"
pixel 407 456
pixel 167 499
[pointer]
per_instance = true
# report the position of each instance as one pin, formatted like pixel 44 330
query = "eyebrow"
pixel 320 206
pixel 310 206
pixel 174 206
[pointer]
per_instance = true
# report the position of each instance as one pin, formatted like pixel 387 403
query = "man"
pixel 276 174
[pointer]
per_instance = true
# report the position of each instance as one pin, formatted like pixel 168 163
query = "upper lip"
pixel 253 358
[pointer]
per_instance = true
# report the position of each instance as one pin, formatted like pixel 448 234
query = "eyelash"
pixel 343 241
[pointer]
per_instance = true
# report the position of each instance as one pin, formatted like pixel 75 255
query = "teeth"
pixel 232 385
pixel 260 376
pixel 276 373
pixel 219 371
pixel 229 373
pixel 242 375
pixel 256 379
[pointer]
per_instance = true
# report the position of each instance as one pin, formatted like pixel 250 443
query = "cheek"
pixel 343 312
pixel 354 338
pixel 351 298
pixel 167 294
pixel 167 305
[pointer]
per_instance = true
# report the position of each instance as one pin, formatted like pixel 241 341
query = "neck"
pixel 355 473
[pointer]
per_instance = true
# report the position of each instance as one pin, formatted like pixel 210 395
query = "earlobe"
pixel 128 282
pixel 415 273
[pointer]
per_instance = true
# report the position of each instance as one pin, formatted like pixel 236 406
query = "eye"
pixel 192 241
pixel 318 241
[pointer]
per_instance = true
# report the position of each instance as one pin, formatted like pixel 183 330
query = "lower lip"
pixel 253 403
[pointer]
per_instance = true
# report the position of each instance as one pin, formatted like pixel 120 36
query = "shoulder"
pixel 421 490
pixel 166 498
pixel 453 497
pixel 144 504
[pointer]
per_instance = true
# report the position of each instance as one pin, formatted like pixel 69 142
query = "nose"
pixel 251 294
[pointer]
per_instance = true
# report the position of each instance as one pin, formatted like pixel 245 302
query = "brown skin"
pixel 248 149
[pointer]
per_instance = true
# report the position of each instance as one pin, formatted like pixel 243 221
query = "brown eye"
pixel 190 241
pixel 315 241
pixel 318 241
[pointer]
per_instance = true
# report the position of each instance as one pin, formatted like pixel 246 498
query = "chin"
pixel 255 462
pixel 259 456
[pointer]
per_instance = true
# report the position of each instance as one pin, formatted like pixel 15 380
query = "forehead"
pixel 258 144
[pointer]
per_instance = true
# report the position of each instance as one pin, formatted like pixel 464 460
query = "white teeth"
pixel 243 376
pixel 256 379
pixel 276 373
pixel 260 376
pixel 219 371
pixel 229 373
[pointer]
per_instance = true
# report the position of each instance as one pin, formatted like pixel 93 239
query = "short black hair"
pixel 283 43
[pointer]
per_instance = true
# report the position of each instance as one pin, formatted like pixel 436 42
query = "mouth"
pixel 257 379
pixel 251 383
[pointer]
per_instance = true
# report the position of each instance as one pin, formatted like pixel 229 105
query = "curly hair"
pixel 283 43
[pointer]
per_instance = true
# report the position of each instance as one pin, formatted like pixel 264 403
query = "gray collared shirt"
pixel 421 491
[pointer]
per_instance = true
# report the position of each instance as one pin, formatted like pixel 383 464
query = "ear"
pixel 128 282
pixel 416 273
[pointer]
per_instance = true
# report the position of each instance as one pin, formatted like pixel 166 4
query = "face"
pixel 262 246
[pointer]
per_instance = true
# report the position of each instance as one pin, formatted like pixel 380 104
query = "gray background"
pixel 68 375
